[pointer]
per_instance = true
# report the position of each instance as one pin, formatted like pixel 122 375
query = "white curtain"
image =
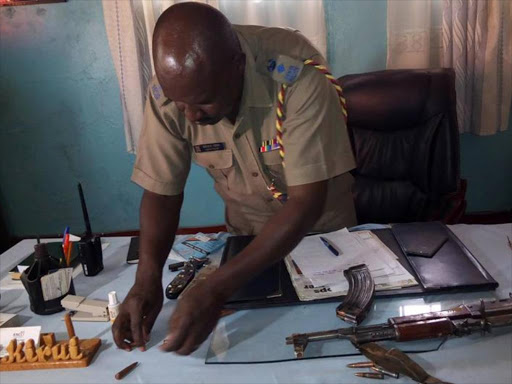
pixel 477 43
pixel 414 33
pixel 307 16
pixel 472 36
pixel 130 23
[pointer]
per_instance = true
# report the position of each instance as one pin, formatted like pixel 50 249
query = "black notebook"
pixel 133 251
pixel 265 286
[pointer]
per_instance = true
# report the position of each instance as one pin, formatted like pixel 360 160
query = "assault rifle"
pixel 459 321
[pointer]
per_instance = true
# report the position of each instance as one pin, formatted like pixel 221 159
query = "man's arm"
pixel 198 311
pixel 159 218
pixel 278 237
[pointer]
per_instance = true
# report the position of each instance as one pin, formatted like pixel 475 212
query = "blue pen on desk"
pixel 331 247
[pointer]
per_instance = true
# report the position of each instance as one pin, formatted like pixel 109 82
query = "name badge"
pixel 269 145
pixel 209 147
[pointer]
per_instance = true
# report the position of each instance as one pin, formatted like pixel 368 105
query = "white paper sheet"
pixel 317 263
pixel 56 284
pixel 322 272
pixel 21 334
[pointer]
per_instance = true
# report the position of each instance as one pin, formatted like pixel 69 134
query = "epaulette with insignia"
pixel 283 69
pixel 156 91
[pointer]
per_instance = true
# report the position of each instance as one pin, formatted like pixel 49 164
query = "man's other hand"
pixel 137 315
pixel 193 320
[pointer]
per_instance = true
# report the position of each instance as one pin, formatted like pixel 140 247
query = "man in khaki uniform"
pixel 214 101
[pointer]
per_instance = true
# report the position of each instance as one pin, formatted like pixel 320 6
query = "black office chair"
pixel 403 128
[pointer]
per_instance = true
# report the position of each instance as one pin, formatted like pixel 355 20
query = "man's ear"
pixel 240 62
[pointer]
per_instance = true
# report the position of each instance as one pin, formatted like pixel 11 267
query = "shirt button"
pixel 237 135
pixel 255 174
pixel 211 166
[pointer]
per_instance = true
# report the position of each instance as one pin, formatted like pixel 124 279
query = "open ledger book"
pixel 316 273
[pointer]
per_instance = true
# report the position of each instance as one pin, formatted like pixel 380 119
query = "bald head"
pixel 189 35
pixel 194 48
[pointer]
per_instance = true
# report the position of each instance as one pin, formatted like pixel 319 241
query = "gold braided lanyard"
pixel 280 116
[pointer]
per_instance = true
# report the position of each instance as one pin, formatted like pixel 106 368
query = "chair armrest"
pixel 452 206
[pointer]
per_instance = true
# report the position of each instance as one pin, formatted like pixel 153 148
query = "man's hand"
pixel 159 217
pixel 137 315
pixel 195 317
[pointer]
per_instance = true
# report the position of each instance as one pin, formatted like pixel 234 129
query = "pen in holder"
pixel 89 247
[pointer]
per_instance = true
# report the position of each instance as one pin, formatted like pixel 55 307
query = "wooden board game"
pixel 50 354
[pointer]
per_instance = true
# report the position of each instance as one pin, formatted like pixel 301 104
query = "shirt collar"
pixel 255 94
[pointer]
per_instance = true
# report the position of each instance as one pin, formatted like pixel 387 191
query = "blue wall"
pixel 60 121
pixel 486 162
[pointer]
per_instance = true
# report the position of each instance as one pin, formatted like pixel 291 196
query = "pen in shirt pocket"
pixel 335 251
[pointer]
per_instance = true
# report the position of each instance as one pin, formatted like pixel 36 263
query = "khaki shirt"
pixel 315 138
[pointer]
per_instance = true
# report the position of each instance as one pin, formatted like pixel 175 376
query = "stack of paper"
pixel 317 273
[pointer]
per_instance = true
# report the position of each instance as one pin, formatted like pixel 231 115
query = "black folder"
pixel 133 251
pixel 452 268
pixel 265 286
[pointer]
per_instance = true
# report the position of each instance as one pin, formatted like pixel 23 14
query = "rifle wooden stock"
pixel 429 329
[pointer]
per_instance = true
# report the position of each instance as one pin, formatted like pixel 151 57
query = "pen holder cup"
pixel 32 279
pixel 37 303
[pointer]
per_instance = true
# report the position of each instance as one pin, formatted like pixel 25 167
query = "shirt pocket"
pixel 273 166
pixel 218 163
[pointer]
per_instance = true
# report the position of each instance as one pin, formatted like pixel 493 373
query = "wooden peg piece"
pixel 55 352
pixel 48 339
pixel 30 351
pixel 11 350
pixel 60 352
pixel 43 353
pixel 19 355
pixel 69 325
pixel 64 354
pixel 74 349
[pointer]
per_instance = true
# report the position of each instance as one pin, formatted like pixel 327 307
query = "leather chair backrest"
pixel 404 134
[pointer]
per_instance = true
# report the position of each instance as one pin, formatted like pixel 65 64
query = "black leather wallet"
pixel 452 266
pixel 420 239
